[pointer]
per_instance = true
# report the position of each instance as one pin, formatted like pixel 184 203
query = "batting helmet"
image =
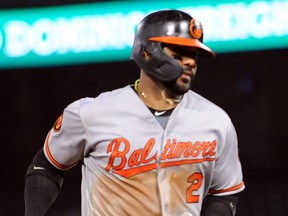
pixel 169 27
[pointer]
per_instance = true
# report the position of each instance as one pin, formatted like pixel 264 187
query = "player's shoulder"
pixel 116 93
pixel 203 104
pixel 101 100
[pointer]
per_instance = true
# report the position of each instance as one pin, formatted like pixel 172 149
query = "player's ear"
pixel 145 54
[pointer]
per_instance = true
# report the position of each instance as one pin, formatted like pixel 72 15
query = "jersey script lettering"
pixel 142 160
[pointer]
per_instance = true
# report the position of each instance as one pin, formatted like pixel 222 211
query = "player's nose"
pixel 189 61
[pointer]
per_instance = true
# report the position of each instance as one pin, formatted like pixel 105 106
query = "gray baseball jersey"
pixel 134 166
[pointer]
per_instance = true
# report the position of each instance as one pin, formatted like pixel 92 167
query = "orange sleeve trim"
pixel 51 158
pixel 237 187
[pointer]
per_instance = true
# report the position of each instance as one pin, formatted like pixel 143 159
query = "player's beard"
pixel 174 88
pixel 181 85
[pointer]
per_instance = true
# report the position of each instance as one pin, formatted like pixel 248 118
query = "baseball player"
pixel 154 147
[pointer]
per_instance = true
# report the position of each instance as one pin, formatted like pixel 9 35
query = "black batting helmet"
pixel 169 27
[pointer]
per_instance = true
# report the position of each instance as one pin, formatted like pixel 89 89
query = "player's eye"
pixel 177 56
pixel 194 54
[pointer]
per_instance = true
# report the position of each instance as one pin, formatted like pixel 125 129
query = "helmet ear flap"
pixel 146 55
pixel 161 65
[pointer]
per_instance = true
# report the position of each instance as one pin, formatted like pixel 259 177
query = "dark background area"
pixel 250 86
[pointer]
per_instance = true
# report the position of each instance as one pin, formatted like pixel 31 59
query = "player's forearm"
pixel 219 205
pixel 40 193
pixel 42 186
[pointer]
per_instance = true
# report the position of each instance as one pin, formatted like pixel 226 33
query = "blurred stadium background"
pixel 248 79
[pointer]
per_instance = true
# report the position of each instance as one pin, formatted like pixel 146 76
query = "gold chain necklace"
pixel 170 101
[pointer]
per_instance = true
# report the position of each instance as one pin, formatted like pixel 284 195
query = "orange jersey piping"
pixel 52 159
pixel 234 188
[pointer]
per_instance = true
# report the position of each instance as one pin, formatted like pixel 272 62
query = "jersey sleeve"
pixel 65 143
pixel 227 176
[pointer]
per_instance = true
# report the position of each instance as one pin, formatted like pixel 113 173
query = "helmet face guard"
pixel 169 27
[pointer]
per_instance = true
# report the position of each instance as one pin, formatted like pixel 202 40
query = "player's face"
pixel 187 58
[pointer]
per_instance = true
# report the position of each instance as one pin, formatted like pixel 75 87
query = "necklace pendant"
pixel 143 94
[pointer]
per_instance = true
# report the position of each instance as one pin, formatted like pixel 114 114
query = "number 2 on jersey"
pixel 196 181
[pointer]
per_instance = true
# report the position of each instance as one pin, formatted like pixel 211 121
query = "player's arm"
pixel 42 186
pixel 219 205
pixel 227 181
